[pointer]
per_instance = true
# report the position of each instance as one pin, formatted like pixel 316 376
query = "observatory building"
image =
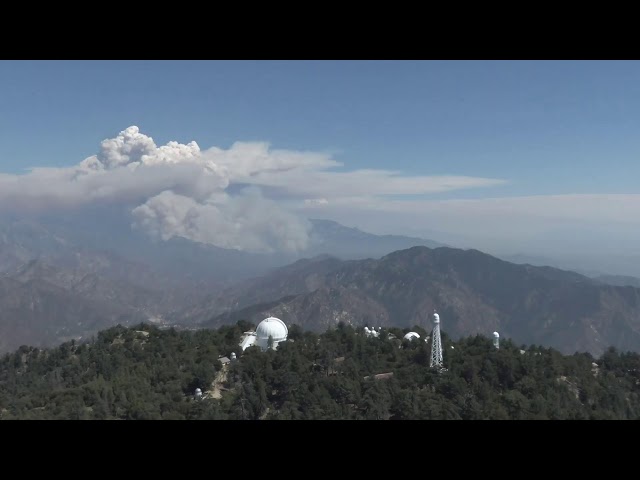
pixel 411 336
pixel 372 332
pixel 270 327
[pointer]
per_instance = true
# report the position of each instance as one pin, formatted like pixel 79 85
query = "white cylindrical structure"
pixel 496 339
pixel 436 344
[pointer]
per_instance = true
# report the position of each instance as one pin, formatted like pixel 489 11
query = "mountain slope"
pixel 474 292
pixel 302 276
pixel 90 285
pixel 40 313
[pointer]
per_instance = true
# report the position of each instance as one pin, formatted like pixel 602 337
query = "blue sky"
pixel 546 128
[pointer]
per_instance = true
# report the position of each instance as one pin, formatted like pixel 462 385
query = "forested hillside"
pixel 148 373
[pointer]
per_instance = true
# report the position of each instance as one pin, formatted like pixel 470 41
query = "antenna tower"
pixel 436 345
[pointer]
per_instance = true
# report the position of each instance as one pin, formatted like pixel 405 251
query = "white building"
pixel 410 336
pixel 271 327
pixel 372 332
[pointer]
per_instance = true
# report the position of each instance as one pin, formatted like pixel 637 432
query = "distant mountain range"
pixel 51 238
pixel 329 237
pixel 473 291
pixel 65 278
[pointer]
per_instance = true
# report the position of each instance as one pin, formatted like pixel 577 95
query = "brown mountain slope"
pixel 39 313
pixel 303 276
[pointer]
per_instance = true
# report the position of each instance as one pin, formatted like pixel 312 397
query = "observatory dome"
pixel 411 335
pixel 272 327
pixel 496 334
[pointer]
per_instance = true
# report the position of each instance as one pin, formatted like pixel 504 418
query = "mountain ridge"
pixel 474 292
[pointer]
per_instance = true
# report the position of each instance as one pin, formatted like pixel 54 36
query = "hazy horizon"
pixel 509 157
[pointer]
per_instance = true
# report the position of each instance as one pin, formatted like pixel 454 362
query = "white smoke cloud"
pixel 245 222
pixel 179 190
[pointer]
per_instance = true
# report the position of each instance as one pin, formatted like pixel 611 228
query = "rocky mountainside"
pixel 89 284
pixel 45 304
pixel 36 312
pixel 21 241
pixel 96 259
pixel 302 276
pixel 474 293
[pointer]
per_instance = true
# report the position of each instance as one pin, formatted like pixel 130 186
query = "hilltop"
pixel 148 373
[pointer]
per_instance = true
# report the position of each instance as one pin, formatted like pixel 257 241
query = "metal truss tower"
pixel 436 344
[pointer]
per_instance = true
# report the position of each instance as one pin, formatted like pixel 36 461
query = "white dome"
pixel 272 327
pixel 496 334
pixel 411 335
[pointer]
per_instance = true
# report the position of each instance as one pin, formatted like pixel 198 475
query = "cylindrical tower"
pixel 496 339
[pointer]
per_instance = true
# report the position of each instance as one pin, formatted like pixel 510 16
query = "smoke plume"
pixel 178 190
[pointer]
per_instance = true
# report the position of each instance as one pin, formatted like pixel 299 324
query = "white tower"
pixel 496 339
pixel 198 393
pixel 436 344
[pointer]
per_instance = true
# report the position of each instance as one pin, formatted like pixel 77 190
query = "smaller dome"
pixel 496 334
pixel 411 335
